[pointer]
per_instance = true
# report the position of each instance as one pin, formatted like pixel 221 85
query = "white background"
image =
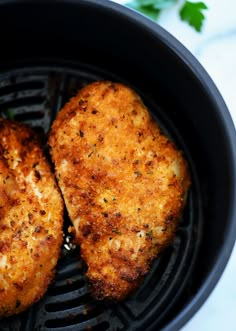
pixel 215 48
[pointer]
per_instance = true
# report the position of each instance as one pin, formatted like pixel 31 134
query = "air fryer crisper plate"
pixel 34 95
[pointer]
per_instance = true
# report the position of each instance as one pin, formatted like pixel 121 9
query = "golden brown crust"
pixel 31 217
pixel 124 184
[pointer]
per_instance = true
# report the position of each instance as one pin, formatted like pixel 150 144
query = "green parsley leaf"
pixel 147 10
pixel 151 8
pixel 149 234
pixel 191 12
pixel 9 114
pixel 117 231
pixel 157 4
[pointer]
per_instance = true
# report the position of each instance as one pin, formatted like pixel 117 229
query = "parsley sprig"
pixel 190 12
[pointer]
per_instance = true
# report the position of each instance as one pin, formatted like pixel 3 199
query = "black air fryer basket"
pixel 49 50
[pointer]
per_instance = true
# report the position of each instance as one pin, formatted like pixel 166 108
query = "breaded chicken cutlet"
pixel 31 218
pixel 124 184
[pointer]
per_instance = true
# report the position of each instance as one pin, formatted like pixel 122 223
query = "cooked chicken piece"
pixel 124 184
pixel 31 217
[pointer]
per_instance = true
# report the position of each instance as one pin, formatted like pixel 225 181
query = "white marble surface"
pixel 215 48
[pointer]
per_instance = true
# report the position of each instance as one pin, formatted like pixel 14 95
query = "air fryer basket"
pixel 50 49
pixel 34 95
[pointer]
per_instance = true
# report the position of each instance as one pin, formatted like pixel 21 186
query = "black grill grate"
pixel 34 95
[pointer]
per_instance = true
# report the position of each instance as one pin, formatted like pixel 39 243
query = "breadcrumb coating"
pixel 123 181
pixel 31 218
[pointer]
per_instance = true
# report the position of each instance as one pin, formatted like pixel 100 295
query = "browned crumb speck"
pixel 124 184
pixel 31 217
